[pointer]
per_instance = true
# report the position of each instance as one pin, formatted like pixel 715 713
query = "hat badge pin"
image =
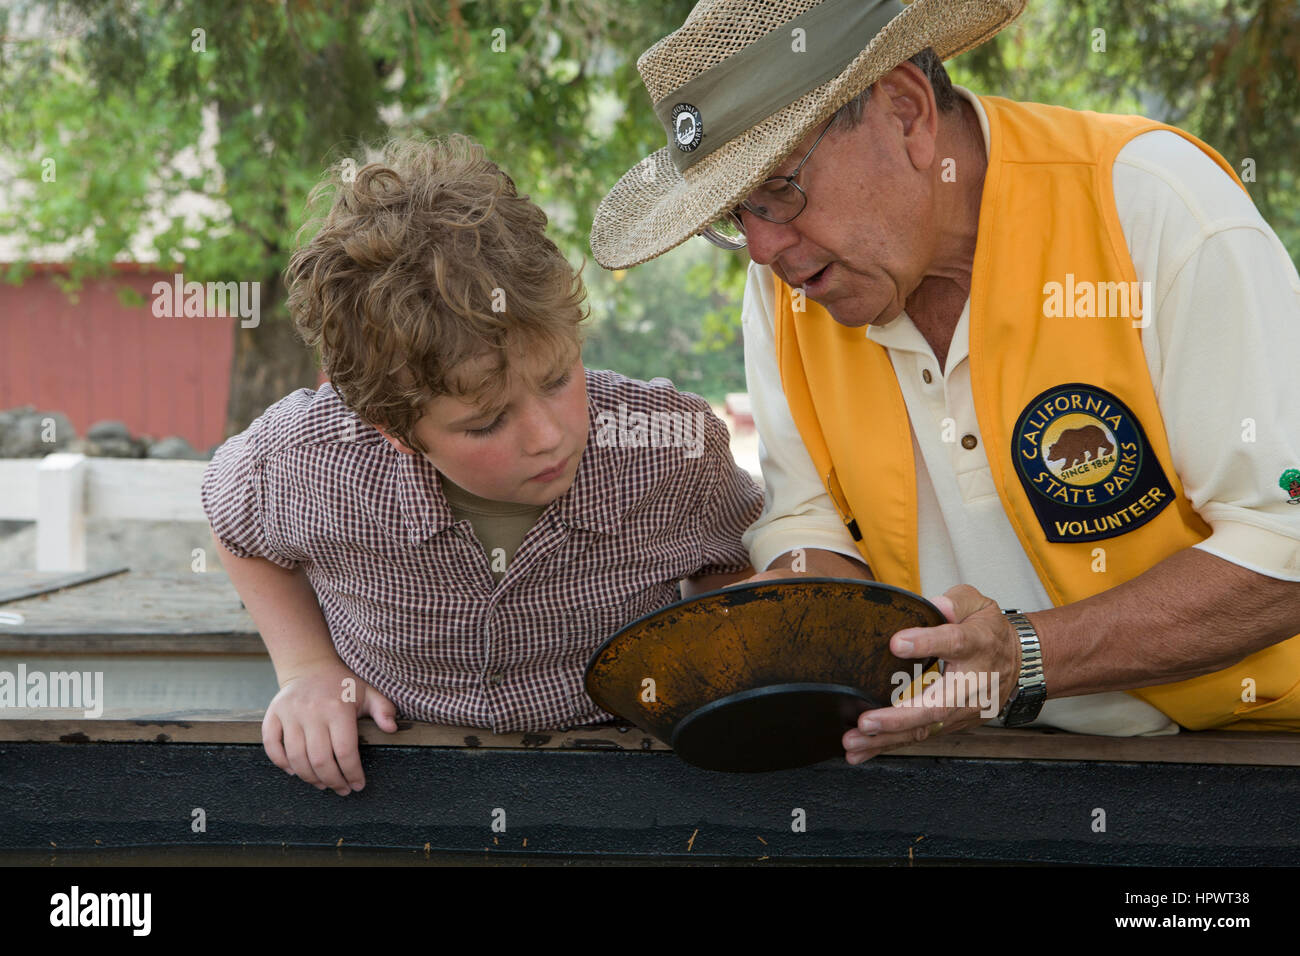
pixel 688 127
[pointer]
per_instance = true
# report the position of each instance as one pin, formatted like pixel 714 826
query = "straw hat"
pixel 741 83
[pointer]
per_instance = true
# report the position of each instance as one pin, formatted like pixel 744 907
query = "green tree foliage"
pixel 115 93
pixel 676 317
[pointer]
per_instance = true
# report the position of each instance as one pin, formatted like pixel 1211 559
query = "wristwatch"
pixel 1031 688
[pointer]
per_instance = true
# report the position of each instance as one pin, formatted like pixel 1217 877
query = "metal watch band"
pixel 1031 688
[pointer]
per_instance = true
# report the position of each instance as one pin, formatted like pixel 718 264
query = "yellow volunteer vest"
pixel 1064 399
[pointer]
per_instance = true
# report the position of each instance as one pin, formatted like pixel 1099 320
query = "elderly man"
pixel 1034 358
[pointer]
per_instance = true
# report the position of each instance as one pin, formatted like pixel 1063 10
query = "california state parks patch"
pixel 1086 465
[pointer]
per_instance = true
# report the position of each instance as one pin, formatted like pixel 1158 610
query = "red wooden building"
pixel 93 357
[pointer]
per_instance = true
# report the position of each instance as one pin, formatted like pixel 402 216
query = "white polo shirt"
pixel 1223 350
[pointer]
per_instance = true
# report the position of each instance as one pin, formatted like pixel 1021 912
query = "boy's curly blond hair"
pixel 428 260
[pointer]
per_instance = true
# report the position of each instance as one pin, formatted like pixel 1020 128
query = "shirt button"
pixel 969 441
pixel 926 376
pixel 495 678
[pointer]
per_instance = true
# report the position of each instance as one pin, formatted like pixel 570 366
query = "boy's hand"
pixel 310 728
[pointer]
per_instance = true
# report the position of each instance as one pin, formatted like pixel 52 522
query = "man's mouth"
pixel 816 283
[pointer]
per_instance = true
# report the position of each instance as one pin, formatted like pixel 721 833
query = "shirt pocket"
pixel 588 628
pixel 592 626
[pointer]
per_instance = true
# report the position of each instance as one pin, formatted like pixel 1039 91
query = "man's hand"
pixel 976 640
pixel 310 727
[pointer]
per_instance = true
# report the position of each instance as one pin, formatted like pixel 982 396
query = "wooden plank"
pixel 61 512
pixel 15 585
pixel 197 613
pixel 246 728
pixel 165 639
pixel 145 489
pixel 1203 747
pixel 18 489
pixel 60 797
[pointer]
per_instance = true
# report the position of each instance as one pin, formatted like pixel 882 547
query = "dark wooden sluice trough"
pixel 141 776
pixel 982 797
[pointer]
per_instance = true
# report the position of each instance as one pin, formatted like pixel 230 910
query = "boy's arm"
pixel 310 729
pixel 283 605
pixel 713 582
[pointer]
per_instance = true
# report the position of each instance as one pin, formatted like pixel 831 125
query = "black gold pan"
pixel 763 676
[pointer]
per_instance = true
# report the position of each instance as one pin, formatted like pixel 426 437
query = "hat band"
pixel 711 109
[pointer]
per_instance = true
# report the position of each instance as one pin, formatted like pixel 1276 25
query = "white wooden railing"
pixel 60 491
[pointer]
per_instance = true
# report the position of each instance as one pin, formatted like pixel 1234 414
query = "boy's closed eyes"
pixel 526 449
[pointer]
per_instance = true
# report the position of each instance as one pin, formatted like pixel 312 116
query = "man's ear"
pixel 394 441
pixel 912 106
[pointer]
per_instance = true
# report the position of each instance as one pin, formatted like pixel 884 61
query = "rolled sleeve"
pixel 1229 342
pixel 1234 321
pixel 233 494
pixel 797 511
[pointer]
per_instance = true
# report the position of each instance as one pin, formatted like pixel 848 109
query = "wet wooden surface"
pixel 133 612
pixel 16 585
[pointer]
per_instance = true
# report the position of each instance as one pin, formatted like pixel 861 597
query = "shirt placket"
pixel 943 413
pixel 500 687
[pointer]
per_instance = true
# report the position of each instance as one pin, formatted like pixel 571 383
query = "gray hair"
pixel 928 62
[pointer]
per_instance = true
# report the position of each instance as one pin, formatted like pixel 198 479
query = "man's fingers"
pixel 893 727
pixel 859 747
pixel 904 719
pixel 960 602
pixel 947 606
pixel 947 641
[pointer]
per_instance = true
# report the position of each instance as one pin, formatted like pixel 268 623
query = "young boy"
pixel 449 528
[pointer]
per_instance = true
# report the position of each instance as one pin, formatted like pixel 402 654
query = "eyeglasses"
pixel 779 199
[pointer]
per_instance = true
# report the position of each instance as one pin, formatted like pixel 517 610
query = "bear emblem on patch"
pixel 1074 446
pixel 688 127
pixel 1085 463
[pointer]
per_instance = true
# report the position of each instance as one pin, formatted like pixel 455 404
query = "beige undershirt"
pixel 500 526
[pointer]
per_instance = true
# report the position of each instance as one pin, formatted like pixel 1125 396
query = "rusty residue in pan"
pixel 698 651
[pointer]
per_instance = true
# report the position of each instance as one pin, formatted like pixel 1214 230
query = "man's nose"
pixel 767 240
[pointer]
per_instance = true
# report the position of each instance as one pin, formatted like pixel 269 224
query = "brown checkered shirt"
pixel 407 591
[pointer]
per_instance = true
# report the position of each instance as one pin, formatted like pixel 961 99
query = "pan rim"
pixel 862 583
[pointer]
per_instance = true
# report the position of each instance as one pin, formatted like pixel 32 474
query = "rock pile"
pixel 27 433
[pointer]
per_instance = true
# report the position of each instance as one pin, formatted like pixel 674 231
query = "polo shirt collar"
pixel 902 335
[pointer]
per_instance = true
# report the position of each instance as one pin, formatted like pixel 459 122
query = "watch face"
pixel 1025 706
